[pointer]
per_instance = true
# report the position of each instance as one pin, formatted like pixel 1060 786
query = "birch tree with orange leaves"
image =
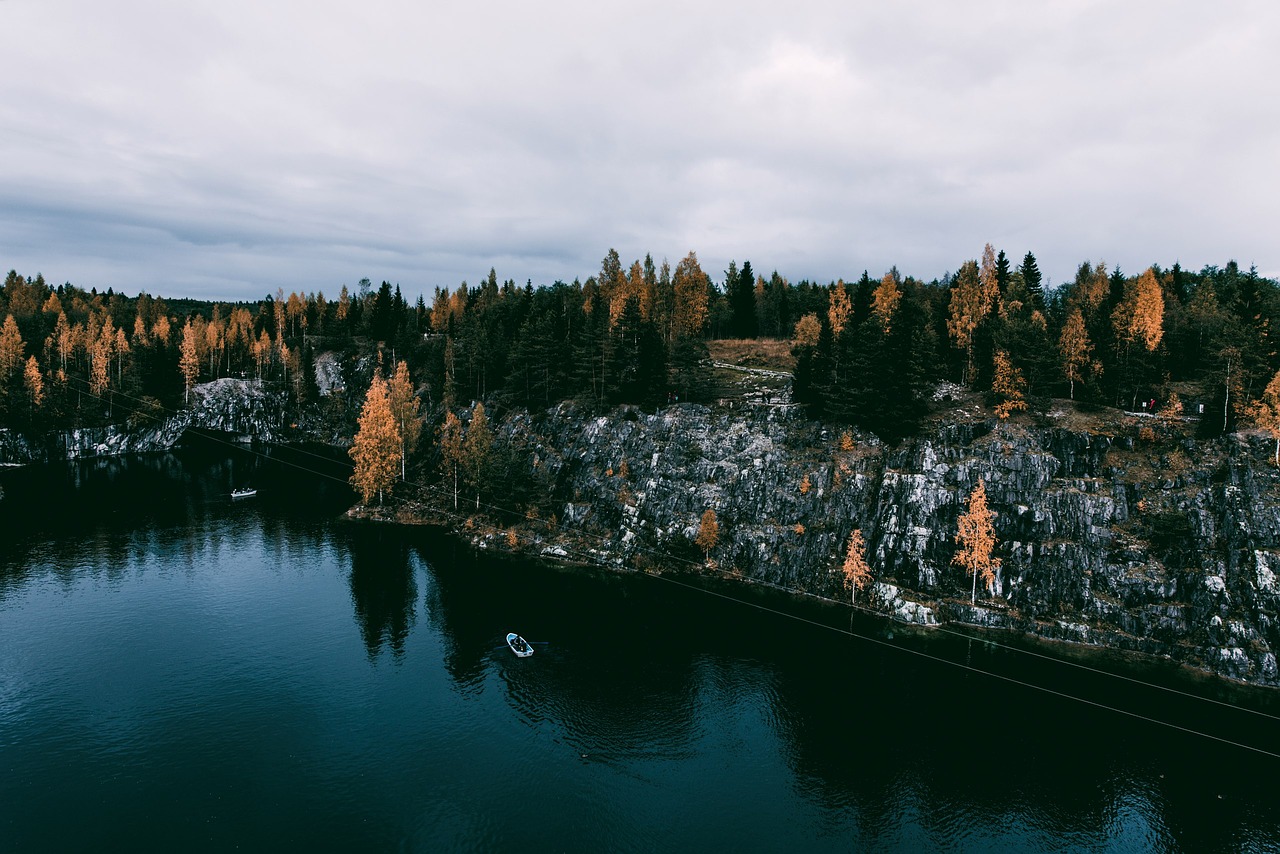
pixel 857 574
pixel 977 538
pixel 450 440
pixel 691 305
pixel 376 447
pixel 972 300
pixel 838 308
pixel 188 359
pixel 708 533
pixel 808 330
pixel 11 347
pixel 1265 412
pixel 1075 349
pixel 33 382
pixel 1140 316
pixel 404 406
pixel 476 448
pixel 1009 386
pixel 885 299
pixel 1138 322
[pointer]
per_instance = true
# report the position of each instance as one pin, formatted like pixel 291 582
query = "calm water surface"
pixel 181 672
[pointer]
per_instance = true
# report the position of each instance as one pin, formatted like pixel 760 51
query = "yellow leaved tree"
pixel 808 331
pixel 450 439
pixel 973 297
pixel 11 347
pixel 476 449
pixel 1075 349
pixel 376 447
pixel 1265 412
pixel 885 299
pixel 34 382
pixel 977 539
pixel 404 407
pixel 857 574
pixel 838 308
pixel 1009 386
pixel 689 284
pixel 708 533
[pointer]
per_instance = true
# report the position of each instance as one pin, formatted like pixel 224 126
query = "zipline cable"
pixel 979 670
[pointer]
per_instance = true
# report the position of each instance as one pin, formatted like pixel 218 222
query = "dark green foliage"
pixel 526 346
pixel 813 371
pixel 690 375
pixel 1003 276
pixel 879 378
pixel 1031 280
pixel 862 294
pixel 635 359
pixel 742 302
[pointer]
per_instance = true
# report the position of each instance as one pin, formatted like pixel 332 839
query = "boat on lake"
pixel 243 492
pixel 519 645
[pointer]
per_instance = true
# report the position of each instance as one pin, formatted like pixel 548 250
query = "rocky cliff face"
pixel 1126 533
pixel 240 407
pixel 1129 535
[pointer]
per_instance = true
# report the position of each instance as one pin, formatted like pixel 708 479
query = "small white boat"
pixel 245 492
pixel 519 645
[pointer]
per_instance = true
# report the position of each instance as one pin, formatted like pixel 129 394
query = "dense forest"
pixel 868 352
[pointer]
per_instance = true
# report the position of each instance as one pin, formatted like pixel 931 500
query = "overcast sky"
pixel 226 149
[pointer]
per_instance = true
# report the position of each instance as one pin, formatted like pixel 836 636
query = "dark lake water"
pixel 180 672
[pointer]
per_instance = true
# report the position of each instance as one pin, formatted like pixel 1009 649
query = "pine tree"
pixel 1032 280
pixel 742 301
pixel 635 360
pixel 857 574
pixel 376 447
pixel 977 539
pixel 1003 276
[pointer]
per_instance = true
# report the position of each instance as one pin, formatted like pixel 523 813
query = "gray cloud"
pixel 227 149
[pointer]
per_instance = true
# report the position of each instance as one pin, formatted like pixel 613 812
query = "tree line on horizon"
pixel 868 352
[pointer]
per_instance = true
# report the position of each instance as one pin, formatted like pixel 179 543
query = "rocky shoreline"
pixel 1139 540
pixel 1121 533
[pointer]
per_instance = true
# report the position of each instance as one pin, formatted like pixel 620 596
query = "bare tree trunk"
pixel 1226 397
